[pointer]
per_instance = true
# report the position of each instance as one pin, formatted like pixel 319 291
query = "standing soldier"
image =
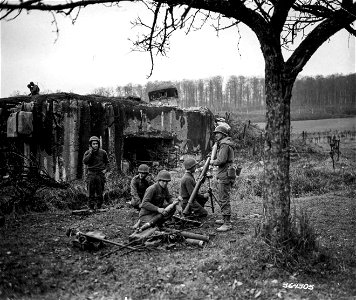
pixel 223 161
pixel 139 184
pixel 34 89
pixel 157 197
pixel 187 185
pixel 97 163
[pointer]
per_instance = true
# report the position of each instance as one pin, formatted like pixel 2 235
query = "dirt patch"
pixel 37 260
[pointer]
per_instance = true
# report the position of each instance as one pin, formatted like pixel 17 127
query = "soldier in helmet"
pixel 139 184
pixel 34 89
pixel 187 185
pixel 157 197
pixel 223 160
pixel 97 162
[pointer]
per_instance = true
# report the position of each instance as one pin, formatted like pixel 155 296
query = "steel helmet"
pixel 189 163
pixel 221 129
pixel 164 175
pixel 94 138
pixel 220 119
pixel 143 168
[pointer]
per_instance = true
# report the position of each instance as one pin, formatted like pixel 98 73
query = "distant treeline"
pixel 313 97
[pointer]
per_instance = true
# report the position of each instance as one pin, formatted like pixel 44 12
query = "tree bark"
pixel 276 204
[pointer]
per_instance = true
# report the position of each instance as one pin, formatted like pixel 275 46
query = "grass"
pixel 37 260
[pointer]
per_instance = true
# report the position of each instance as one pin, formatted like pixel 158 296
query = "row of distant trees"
pixel 311 95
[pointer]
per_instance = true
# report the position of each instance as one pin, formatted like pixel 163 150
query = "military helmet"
pixel 189 163
pixel 143 168
pixel 221 129
pixel 164 175
pixel 94 138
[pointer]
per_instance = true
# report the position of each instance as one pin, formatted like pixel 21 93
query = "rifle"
pixel 201 179
pixel 85 239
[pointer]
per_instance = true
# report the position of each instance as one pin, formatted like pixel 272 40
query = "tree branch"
pixel 320 34
pixel 280 14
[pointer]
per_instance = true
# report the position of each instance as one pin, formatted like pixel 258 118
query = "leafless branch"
pixel 54 21
pixel 351 30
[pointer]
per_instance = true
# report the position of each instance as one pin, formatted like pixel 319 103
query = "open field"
pixel 37 260
pixel 318 131
pixel 323 125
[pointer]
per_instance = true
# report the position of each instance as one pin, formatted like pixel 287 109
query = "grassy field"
pixel 324 125
pixel 37 260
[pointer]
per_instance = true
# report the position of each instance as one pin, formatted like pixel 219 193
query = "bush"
pixel 299 250
pixel 118 187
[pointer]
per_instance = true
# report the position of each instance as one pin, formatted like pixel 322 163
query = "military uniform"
pixel 187 185
pixel 138 188
pixel 224 159
pixel 96 162
pixel 155 197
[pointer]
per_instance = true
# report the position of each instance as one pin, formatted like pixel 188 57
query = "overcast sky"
pixel 96 52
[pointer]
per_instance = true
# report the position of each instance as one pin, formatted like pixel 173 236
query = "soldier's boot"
pixel 226 226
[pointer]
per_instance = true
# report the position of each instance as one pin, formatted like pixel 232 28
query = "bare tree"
pixel 104 91
pixel 299 25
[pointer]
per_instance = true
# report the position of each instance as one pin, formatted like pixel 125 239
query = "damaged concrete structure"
pixel 131 131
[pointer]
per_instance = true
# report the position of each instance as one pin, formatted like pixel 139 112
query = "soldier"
pixel 187 185
pixel 224 159
pixel 97 163
pixel 34 89
pixel 157 197
pixel 139 184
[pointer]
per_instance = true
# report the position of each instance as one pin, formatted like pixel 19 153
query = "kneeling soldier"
pixel 187 185
pixel 156 199
pixel 139 184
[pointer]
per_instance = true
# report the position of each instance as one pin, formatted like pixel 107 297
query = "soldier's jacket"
pixel 138 186
pixel 97 161
pixel 154 198
pixel 225 157
pixel 187 185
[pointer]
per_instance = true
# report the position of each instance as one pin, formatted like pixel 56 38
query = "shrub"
pixel 301 248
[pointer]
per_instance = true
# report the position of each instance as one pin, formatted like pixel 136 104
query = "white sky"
pixel 95 52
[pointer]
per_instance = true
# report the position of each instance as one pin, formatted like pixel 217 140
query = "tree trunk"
pixel 277 156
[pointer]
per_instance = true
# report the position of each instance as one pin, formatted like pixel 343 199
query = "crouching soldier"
pixel 97 163
pixel 156 199
pixel 187 185
pixel 139 184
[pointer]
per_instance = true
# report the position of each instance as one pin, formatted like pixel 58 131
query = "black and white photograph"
pixel 177 149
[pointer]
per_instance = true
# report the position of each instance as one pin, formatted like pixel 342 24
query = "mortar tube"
pixel 199 243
